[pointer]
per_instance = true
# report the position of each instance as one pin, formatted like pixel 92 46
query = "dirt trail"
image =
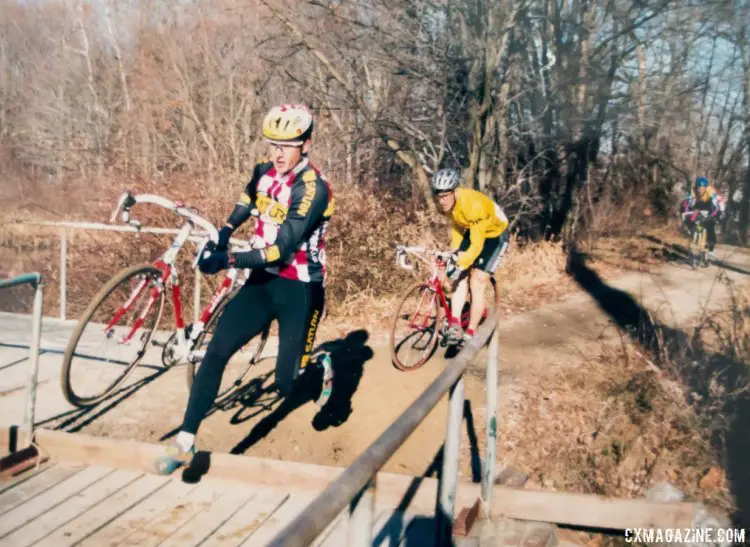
pixel 370 393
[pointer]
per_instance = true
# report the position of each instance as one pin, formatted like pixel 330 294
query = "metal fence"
pixel 36 281
pixel 63 228
pixel 357 485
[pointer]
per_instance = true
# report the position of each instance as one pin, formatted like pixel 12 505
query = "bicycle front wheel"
pixel 414 331
pixel 112 335
pixel 237 369
pixel 695 248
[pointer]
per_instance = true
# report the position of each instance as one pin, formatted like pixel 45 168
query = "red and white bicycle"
pixel 113 334
pixel 423 314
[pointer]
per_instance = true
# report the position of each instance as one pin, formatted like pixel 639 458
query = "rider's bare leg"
pixel 479 280
pixel 458 300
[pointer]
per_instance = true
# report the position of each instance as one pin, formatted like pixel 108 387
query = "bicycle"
pixel 698 251
pixel 129 313
pixel 435 316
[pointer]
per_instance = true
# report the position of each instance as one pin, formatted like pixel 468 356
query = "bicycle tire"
pixel 694 248
pixel 191 366
pixel 400 365
pixel 104 292
pixel 703 251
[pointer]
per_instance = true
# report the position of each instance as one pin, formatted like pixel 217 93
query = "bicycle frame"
pixel 697 234
pixel 169 274
pixel 440 260
pixel 698 219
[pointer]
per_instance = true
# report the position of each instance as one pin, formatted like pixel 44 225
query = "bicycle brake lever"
pixel 201 247
pixel 402 262
pixel 125 203
pixel 122 203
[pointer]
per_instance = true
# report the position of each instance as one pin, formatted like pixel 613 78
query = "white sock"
pixel 185 440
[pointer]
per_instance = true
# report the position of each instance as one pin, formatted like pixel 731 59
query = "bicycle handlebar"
pixel 702 213
pixel 402 251
pixel 128 200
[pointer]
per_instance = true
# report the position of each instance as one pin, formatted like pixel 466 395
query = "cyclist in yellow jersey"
pixel 479 237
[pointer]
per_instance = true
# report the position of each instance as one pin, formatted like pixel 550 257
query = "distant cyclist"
pixel 479 237
pixel 705 198
pixel 295 204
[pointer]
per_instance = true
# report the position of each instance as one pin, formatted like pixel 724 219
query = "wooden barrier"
pixel 584 510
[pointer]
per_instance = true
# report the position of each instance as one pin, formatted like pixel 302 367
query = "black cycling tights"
pixel 296 305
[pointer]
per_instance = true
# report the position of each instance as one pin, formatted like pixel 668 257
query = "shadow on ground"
pixel 76 419
pixel 675 252
pixel 348 357
pixel 695 366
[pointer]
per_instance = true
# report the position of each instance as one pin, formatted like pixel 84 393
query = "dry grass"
pixel 728 332
pixel 364 281
pixel 620 428
pixel 533 274
pixel 625 418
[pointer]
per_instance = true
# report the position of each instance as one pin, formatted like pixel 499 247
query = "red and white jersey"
pixel 294 209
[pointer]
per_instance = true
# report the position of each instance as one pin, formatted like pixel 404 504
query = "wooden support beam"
pixel 583 510
pixel 465 519
pixel 590 511
pixel 392 487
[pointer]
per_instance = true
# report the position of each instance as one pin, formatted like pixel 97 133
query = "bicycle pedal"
pixel 159 344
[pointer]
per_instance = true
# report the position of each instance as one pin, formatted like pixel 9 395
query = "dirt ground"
pixel 548 356
pixel 369 393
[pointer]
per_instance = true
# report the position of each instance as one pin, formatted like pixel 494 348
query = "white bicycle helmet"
pixel 290 124
pixel 446 180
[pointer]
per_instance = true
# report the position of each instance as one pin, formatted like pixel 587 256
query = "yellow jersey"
pixel 482 217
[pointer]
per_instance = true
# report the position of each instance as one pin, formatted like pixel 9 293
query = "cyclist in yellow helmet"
pixel 295 203
pixel 479 239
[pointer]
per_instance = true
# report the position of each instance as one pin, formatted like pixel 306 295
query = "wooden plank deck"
pixel 95 491
pixel 95 505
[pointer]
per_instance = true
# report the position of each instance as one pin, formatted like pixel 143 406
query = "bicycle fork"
pixel 155 292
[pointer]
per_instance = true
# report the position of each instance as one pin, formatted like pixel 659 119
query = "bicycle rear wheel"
pixel 123 317
pixel 237 369
pixel 420 310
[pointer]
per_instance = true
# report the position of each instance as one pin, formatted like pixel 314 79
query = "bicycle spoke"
pixel 414 340
pixel 105 352
pixel 238 368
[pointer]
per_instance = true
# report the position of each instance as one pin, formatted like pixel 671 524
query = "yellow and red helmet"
pixel 289 124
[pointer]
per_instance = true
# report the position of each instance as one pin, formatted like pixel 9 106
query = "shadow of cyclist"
pixel 676 252
pixel 715 382
pixel 348 356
